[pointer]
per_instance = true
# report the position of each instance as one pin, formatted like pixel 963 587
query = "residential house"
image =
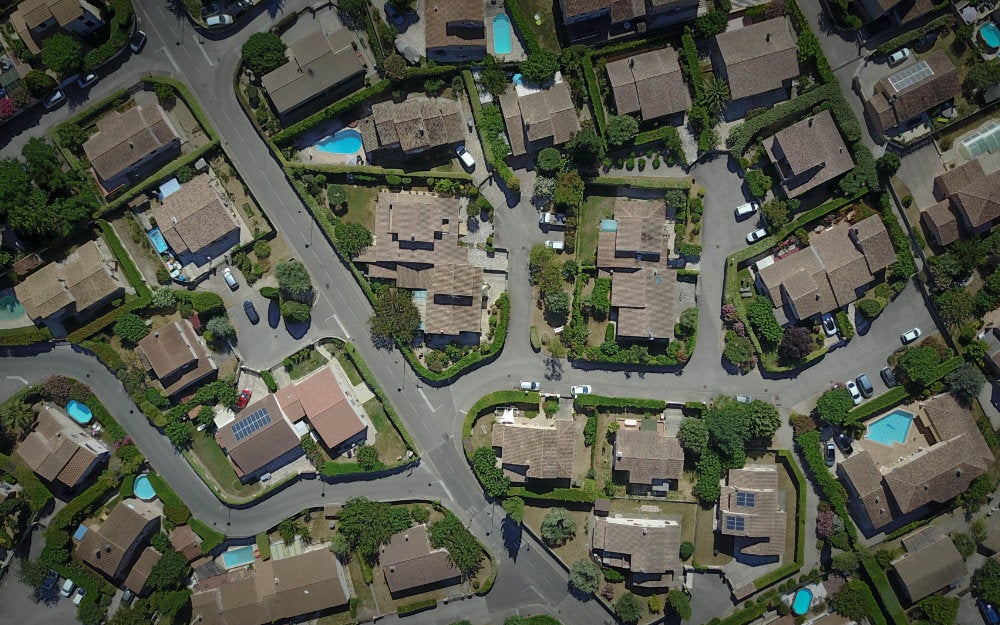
pixel 758 61
pixel 416 245
pixel 259 439
pixel 320 66
pixel 649 84
pixel 900 11
pixel 992 338
pixel 35 20
pixel 932 563
pixel 132 142
pixel 186 542
pixel 86 280
pixel 596 21
pixel 651 462
pixel 112 546
pixel 911 92
pixel 837 268
pixel 538 118
pixel 808 153
pixel 177 357
pixel 455 30
pixel 630 250
pixel 968 202
pixel 752 511
pixel 532 450
pixel 331 414
pixel 197 223
pixel 648 549
pixel 139 574
pixel 413 126
pixel 60 451
pixel 951 452
pixel 310 584
pixel 411 565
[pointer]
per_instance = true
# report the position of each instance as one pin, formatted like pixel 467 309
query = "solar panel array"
pixel 746 499
pixel 910 75
pixel 251 423
pixel 985 140
pixel 735 523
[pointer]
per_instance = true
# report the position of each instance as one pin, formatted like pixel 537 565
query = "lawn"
pixel 787 484
pixel 306 366
pixel 389 444
pixel 207 453
pixel 366 604
pixel 361 205
pixel 706 539
pixel 595 208
pixel 545 33
pixel 575 549
pixel 349 368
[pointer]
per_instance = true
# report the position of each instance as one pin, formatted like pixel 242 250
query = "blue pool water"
pixel 346 141
pixel 156 238
pixel 143 489
pixel 501 34
pixel 609 225
pixel 10 308
pixel 80 412
pixel 80 532
pixel 517 80
pixel 238 557
pixel 803 599
pixel 991 35
pixel 891 428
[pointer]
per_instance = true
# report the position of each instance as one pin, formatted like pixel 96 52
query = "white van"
pixel 555 245
pixel 463 155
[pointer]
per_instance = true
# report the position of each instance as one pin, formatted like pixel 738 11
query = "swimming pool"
pixel 80 412
pixel 156 238
pixel 803 599
pixel 990 35
pixel 346 141
pixel 10 308
pixel 143 489
pixel 239 556
pixel 501 34
pixel 891 428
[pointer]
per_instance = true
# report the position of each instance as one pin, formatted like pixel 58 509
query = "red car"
pixel 243 399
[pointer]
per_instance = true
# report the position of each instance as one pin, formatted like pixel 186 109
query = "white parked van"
pixel 555 245
pixel 463 155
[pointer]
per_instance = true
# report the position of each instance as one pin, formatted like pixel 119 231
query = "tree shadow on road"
pixel 298 330
pixel 512 537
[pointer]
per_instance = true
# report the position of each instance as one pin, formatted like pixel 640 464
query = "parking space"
pixel 19 605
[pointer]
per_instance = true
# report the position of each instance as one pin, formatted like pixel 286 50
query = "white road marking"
pixel 18 378
pixel 346 335
pixel 426 401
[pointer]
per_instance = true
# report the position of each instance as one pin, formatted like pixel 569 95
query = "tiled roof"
pixel 319 62
pixel 544 116
pixel 177 356
pixel 194 217
pixel 799 277
pixel 845 265
pixel 638 545
pixel 646 300
pixel 80 280
pixel 415 228
pixel 409 562
pixel 572 8
pixel 639 238
pixel 918 97
pixel 454 23
pixel 758 58
pixel 36 12
pixel 58 449
pixel 980 201
pixel 124 139
pixel 415 124
pixel 647 456
pixel 871 236
pixel 863 474
pixel 649 83
pixel 930 569
pixel 809 153
pixel 136 580
pixel 761 514
pixel 544 448
pixel 454 300
pixel 261 446
pixel 184 540
pixel 954 180
pixel 106 547
pixel 320 399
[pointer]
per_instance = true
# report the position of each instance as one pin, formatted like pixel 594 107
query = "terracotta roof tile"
pixel 914 99
pixel 323 402
pixel 455 23
pixel 409 562
pixel 761 513
pixel 649 83
pixel 194 217
pixel 809 153
pixel 76 283
pixel 110 547
pixel 261 446
pixel 545 117
pixel 184 540
pixel 758 58
pixel 136 580
pixel 647 456
pixel 416 124
pixel 871 236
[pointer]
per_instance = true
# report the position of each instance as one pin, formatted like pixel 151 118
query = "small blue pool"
pixel 156 238
pixel 803 599
pixel 143 489
pixel 990 35
pixel 80 412
pixel 239 556
pixel 346 141
pixel 609 225
pixel 10 308
pixel 80 533
pixel 501 34
pixel 891 428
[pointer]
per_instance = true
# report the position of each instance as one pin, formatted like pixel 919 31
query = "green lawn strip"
pixel 264 546
pixel 349 369
pixel 416 606
pixel 210 538
pixel 369 379
pixel 12 337
pixel 211 456
pixel 638 182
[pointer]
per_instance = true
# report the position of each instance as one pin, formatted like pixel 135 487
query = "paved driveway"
pixel 917 170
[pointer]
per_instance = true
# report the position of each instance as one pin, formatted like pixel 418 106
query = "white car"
pixel 86 80
pixel 829 325
pixel 852 388
pixel 67 588
pixel 463 155
pixel 745 210
pixel 583 389
pixel 909 336
pixel 227 275
pixel 899 56
pixel 528 385
pixel 756 235
pixel 54 100
pixel 218 21
pixel 78 597
pixel 555 245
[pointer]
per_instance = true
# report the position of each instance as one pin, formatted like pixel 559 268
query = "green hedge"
pixel 587 494
pixel 210 538
pixel 127 489
pixel 24 336
pixel 416 606
pixel 910 37
pixel 898 394
pixel 35 492
pixel 618 404
pixel 832 490
pixel 335 109
pixel 743 617
pixel 689 54
pixel 120 198
pixel 268 378
pixel 886 595
pixel 523 27
pixel 526 400
pixel 173 508
pixel 641 183
pixel 594 90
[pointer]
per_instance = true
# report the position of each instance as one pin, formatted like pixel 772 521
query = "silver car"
pixel 756 235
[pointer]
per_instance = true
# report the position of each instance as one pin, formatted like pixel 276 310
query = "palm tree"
pixel 16 417
pixel 716 95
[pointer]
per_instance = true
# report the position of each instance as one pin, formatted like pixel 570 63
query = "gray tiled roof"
pixel 319 62
pixel 930 569
pixel 812 151
pixel 638 545
pixel 544 448
pixel 647 456
pixel 124 139
pixel 409 562
pixel 758 58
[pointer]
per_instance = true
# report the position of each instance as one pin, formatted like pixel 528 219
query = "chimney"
pixel 156 335
pixel 275 581
pixel 392 569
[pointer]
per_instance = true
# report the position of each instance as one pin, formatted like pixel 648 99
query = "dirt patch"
pixel 138 245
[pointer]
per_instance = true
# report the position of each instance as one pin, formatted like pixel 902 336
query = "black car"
pixel 251 312
pixel 844 442
pixel 865 385
pixel 210 9
pixel 888 377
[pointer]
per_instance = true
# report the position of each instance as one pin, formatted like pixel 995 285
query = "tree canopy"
pixel 484 463
pixel 62 54
pixel 540 67
pixel 463 548
pixel 621 129
pixel 130 328
pixel 917 365
pixel 833 405
pixel 169 572
pixel 966 382
pixel 796 344
pixel 586 147
pixel 628 608
pixel 514 507
pixel 558 526
pixel 293 279
pixel 368 524
pixel 264 52
pixel 693 435
pixel 351 238
pixel 585 576
pixel 395 316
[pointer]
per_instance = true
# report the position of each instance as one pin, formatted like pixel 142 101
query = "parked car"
pixel 220 20
pixel 128 596
pixel 744 399
pixel 583 389
pixel 550 220
pixel 86 80
pixel 745 210
pixel 756 235
pixel 54 100
pixel 829 325
pixel 830 455
pixel 899 56
pixel 138 42
pixel 78 597
pixel 227 275
pixel 852 388
pixel 909 336
pixel 529 385
pixel 210 9
pixel 67 588
pixel 244 398
pixel 990 616
pixel 251 312
pixel 888 377
pixel 844 442
pixel 50 581
pixel 865 385
pixel 394 16
pixel 266 477
pixel 555 245
pixel 463 155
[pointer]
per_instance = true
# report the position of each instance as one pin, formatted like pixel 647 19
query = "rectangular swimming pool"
pixel 892 428
pixel 156 238
pixel 238 557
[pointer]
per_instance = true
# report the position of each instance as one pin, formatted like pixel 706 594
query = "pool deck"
pixel 21 322
pixel 917 440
